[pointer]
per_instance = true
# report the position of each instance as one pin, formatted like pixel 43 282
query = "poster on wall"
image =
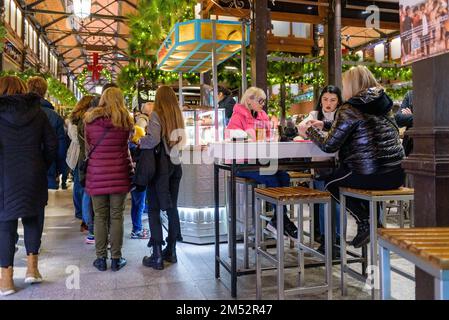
pixel 424 29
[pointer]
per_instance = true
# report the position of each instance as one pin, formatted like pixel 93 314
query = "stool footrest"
pixel 306 290
pixel 266 255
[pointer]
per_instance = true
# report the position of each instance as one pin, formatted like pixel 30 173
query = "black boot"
pixel 169 253
pixel 335 249
pixel 117 264
pixel 363 234
pixel 155 261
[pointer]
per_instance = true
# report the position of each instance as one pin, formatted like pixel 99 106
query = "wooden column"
pixel 429 161
pixel 259 45
pixel 332 47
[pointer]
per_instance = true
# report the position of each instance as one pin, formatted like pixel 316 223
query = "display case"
pixel 200 126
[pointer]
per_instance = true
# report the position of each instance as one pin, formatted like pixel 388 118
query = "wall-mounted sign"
pixel 424 28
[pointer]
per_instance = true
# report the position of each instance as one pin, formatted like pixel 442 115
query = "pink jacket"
pixel 243 120
pixel 109 170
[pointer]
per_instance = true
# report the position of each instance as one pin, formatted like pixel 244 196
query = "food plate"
pixel 301 139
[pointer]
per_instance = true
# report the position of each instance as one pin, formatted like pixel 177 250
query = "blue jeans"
pixel 319 185
pixel 88 213
pixel 138 205
pixel 78 191
pixel 279 179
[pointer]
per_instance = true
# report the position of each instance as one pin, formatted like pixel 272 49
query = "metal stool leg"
pixel 301 241
pixel 373 248
pixel 328 245
pixel 311 219
pixel 385 273
pixel 412 214
pixel 292 217
pixel 245 227
pixel 280 251
pixel 401 213
pixel 343 228
pixel 257 245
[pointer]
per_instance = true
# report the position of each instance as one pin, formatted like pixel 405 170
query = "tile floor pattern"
pixel 64 254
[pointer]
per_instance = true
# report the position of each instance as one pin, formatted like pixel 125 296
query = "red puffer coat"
pixel 110 167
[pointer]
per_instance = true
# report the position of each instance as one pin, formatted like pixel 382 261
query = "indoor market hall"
pixel 224 150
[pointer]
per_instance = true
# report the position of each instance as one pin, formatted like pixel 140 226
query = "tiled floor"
pixel 66 264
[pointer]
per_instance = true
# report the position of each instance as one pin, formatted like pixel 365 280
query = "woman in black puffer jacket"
pixel 28 147
pixel 366 137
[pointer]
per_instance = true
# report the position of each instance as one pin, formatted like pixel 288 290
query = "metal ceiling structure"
pixel 106 30
pixel 75 40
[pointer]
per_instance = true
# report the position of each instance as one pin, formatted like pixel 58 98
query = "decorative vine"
pixel 2 35
pixel 152 22
pixel 56 88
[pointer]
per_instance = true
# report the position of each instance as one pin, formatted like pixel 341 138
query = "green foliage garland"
pixel 56 89
pixel 2 35
pixel 152 22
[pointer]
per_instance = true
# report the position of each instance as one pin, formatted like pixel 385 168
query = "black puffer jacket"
pixel 28 146
pixel 365 134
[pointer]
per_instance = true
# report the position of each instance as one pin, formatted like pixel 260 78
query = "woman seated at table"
pixel 367 140
pixel 249 116
pixel 328 102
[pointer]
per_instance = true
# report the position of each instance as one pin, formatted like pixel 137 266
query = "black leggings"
pixel 32 226
pixel 343 177
pixel 174 227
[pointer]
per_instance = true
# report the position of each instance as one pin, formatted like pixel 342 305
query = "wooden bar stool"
pixel 373 197
pixel 291 196
pixel 427 248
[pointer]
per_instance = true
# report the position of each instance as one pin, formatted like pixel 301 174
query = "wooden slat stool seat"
pixel 245 217
pixel 427 248
pixel 374 197
pixel 300 176
pixel 281 197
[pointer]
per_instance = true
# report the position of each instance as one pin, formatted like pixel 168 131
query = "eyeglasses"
pixel 260 101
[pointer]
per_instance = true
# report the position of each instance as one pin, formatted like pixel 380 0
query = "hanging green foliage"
pixel 106 73
pixel 152 22
pixel 56 88
pixel 2 34
pixel 80 82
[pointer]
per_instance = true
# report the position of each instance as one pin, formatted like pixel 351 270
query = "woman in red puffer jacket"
pixel 108 179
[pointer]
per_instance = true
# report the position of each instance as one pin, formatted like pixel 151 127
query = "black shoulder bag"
pixel 85 162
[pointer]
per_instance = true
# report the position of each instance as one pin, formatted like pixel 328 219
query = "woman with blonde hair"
pixel 366 137
pixel 249 116
pixel 108 180
pixel 28 147
pixel 166 130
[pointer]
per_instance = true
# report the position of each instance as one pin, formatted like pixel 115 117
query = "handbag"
pixel 85 162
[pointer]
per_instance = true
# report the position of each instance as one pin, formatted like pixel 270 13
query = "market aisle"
pixel 64 255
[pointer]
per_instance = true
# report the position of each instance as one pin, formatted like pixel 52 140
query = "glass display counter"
pixel 196 194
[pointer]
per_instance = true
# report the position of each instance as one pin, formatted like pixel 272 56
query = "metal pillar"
pixel 180 96
pixel 214 76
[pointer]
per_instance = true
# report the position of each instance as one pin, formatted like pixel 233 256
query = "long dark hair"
pixel 328 89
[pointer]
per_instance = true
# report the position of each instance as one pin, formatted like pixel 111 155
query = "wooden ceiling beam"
pixel 348 22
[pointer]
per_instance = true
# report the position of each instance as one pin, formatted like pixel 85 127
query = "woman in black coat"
pixel 28 146
pixel 366 137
